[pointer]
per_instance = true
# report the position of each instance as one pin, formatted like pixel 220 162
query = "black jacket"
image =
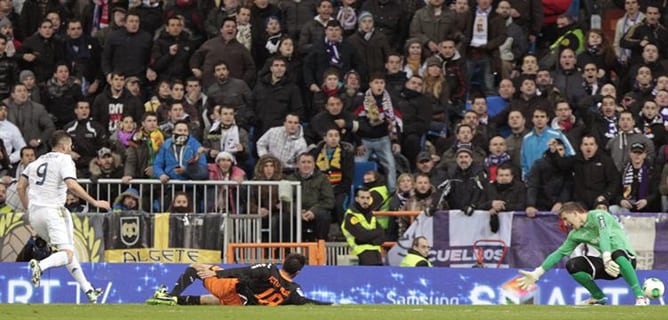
pixel 60 100
pixel 87 137
pixel 272 102
pixel 127 52
pixel 592 178
pixel 547 184
pixel 109 111
pixel 415 112
pixel 9 75
pixel 48 52
pixel 514 194
pixel 84 62
pixel 318 61
pixel 324 121
pixel 172 66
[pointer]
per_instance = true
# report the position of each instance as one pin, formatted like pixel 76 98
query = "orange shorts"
pixel 225 289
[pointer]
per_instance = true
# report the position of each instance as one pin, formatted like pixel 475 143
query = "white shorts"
pixel 54 225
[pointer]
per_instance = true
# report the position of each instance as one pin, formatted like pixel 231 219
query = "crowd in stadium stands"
pixel 511 105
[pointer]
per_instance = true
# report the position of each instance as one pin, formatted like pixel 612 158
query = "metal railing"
pixel 253 211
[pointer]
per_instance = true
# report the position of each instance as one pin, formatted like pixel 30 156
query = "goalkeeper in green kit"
pixel 599 229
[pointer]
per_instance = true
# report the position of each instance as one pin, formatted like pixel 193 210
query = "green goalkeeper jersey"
pixel 600 231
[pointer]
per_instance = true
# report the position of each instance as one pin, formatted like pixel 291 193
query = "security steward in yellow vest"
pixel 380 195
pixel 363 233
pixel 417 254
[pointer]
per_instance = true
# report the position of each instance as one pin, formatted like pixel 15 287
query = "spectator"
pixel 373 44
pixel 120 140
pixel 437 93
pixel 313 31
pixel 415 57
pixel 549 186
pixel 180 157
pixel 425 164
pixel 651 124
pixel 416 115
pixel 192 18
pixel 454 70
pixel 195 97
pixel 244 28
pixel 265 200
pixel 498 157
pixel 171 51
pixel 225 169
pixel 602 123
pixel 418 254
pixel 73 203
pixel 60 95
pixel 631 17
pixel 223 49
pixel 649 30
pixel 486 32
pixel 9 69
pixel 285 143
pixel 504 194
pixel 464 189
pixel 275 96
pixel 536 141
pixel 106 165
pixel 463 139
pixel 128 51
pixel 432 24
pixel 567 78
pixel 87 137
pixel 27 156
pixel 216 16
pixel 331 86
pixel 333 52
pixel 150 12
pixel 333 117
pixel 352 96
pixel 405 190
pixel 390 19
pixel 287 50
pixel 231 92
pixel 380 124
pixel 31 118
pixel 362 231
pixel 32 12
pixel 639 183
pixel 317 203
pixel 516 43
pixel 421 199
pixel 268 34
pixel 110 105
pixel 224 135
pixel 595 175
pixel 118 16
pixel 190 113
pixel 160 101
pixel 10 135
pixel 619 146
pixel 335 159
pixel 84 56
pixel 41 51
pixel 574 128
pixel 181 204
pixel 296 13
pixel 127 201
pixel 394 73
pixel 143 148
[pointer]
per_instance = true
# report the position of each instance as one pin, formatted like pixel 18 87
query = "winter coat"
pixel 320 195
pixel 48 52
pixel 172 66
pixel 374 51
pixel 273 101
pixel 87 137
pixel 216 50
pixel 9 75
pixel 109 111
pixel 127 52
pixel 547 184
pixel 166 161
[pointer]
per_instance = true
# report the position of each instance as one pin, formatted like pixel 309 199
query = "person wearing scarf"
pixel 347 17
pixel 497 157
pixel 380 127
pixel 335 159
pixel 142 149
pixel 639 184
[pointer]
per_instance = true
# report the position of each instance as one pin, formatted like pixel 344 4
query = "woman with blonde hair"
pixel 437 92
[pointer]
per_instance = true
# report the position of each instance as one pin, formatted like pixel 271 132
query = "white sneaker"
pixel 93 294
pixel 642 301
pixel 36 272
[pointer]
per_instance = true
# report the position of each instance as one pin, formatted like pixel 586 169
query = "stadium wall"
pixel 135 282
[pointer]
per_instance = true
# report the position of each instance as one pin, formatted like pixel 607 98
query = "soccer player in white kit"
pixel 48 179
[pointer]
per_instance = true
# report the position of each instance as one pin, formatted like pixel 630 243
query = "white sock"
pixel 75 270
pixel 55 260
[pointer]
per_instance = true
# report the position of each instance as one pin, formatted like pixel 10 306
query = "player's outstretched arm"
pixel 75 187
pixel 530 277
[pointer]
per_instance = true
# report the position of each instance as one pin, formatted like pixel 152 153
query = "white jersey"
pixel 46 177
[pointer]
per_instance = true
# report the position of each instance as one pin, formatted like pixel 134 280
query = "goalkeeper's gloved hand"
pixel 530 277
pixel 611 267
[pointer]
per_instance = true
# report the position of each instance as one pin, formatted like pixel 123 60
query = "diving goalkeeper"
pixel 259 284
pixel 600 230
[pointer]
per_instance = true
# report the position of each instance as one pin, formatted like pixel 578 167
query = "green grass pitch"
pixel 339 312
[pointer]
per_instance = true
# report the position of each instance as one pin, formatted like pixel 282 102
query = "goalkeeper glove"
pixel 530 277
pixel 611 267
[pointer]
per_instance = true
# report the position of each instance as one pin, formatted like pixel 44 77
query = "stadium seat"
pixel 358 178
pixel 495 104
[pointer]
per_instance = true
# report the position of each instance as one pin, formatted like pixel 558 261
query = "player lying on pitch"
pixel 259 284
pixel 599 229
